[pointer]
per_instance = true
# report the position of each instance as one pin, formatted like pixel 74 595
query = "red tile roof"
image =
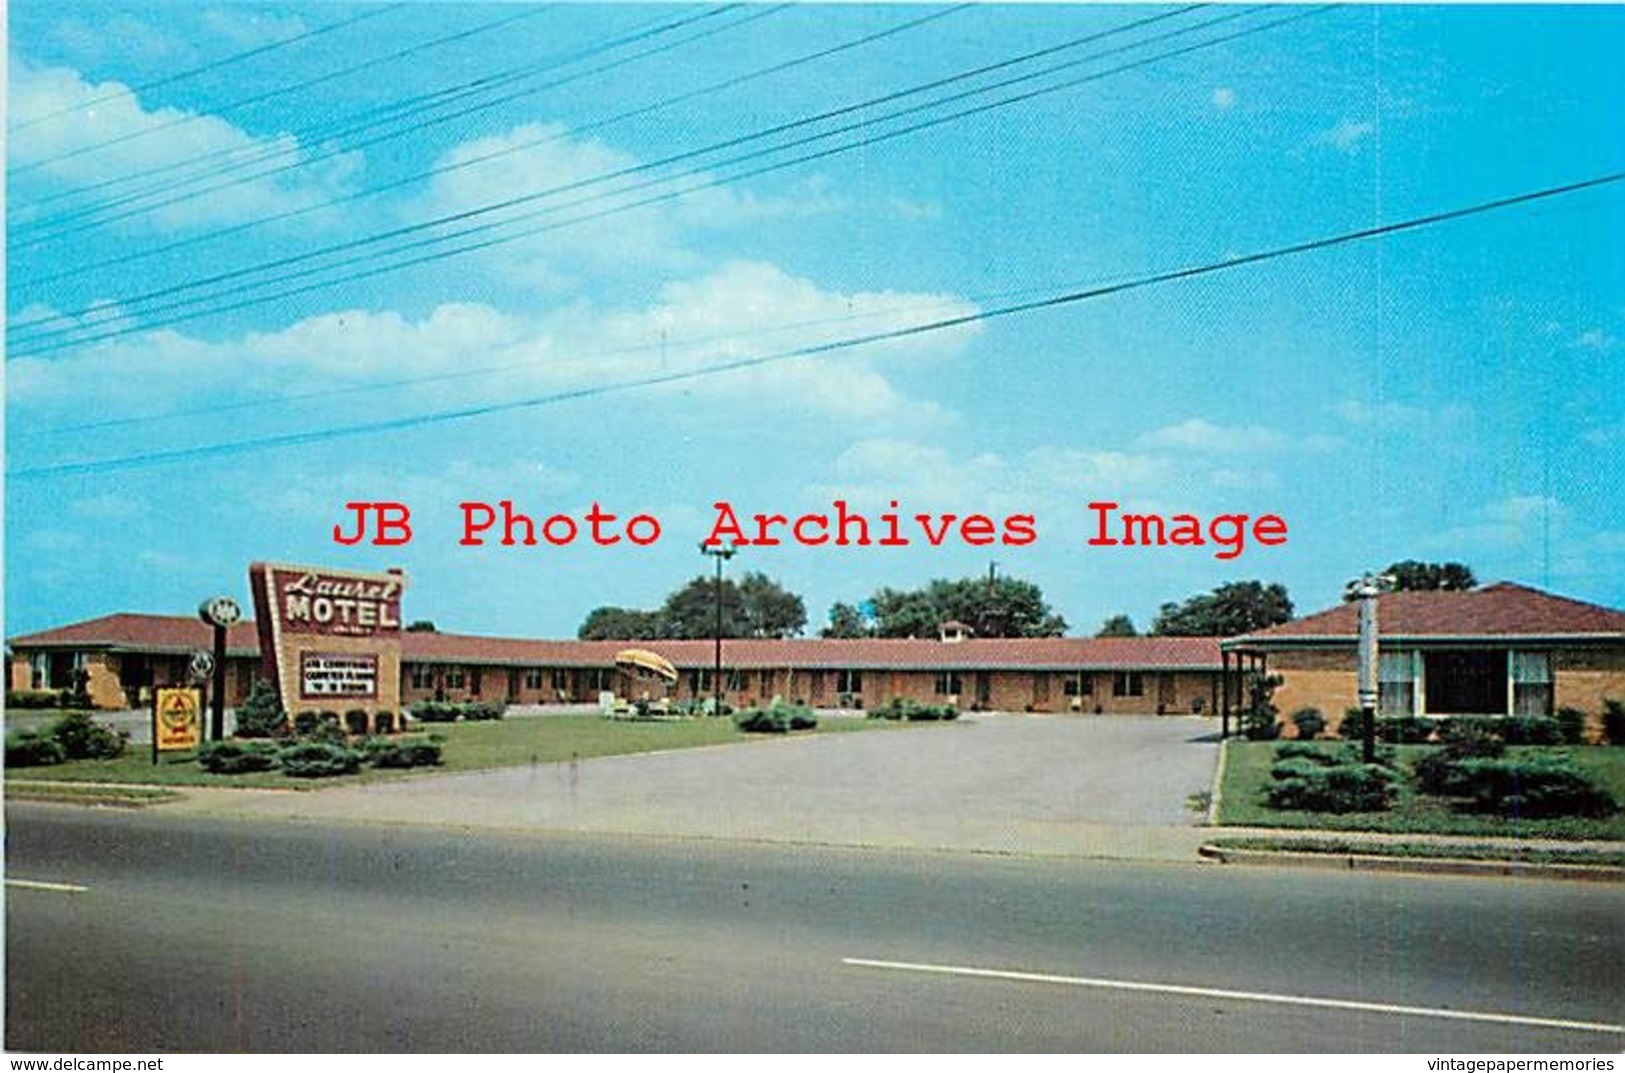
pixel 1502 610
pixel 167 633
pixel 142 633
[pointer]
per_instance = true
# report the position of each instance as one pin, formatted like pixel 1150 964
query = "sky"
pixel 267 260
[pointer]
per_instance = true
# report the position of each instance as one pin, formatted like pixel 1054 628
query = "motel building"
pixel 1498 650
pixel 1502 649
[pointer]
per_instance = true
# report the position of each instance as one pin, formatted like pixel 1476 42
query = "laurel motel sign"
pixel 329 635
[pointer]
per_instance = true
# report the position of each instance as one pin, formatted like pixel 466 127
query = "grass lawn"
pixel 128 796
pixel 468 747
pixel 1344 847
pixel 1247 772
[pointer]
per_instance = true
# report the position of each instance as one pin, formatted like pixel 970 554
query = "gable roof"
pixel 1501 611
pixel 173 634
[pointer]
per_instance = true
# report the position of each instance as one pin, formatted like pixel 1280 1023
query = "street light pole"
pixel 721 553
pixel 1367 588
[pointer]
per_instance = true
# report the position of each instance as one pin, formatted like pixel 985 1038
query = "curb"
pixel 1456 866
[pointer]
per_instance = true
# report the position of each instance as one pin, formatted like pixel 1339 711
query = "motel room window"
pixel 561 680
pixel 735 681
pixel 1080 684
pixel 39 670
pixel 1531 683
pixel 764 683
pixel 949 684
pixel 533 678
pixel 421 677
pixel 455 677
pixel 1128 684
pixel 849 682
pixel 699 682
pixel 602 679
pixel 1396 683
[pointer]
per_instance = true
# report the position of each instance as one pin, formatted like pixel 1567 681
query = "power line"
pixel 213 65
pixel 154 458
pixel 411 109
pixel 596 125
pixel 30 343
pixel 260 98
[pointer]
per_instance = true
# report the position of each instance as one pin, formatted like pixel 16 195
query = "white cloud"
pixel 1597 339
pixel 1224 98
pixel 1346 135
pixel 1199 435
pixel 741 311
pixel 1398 415
pixel 585 224
pixel 58 150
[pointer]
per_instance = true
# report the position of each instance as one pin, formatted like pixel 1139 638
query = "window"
pixel 422 677
pixel 533 678
pixel 765 683
pixel 1396 683
pixel 1128 684
pixel 735 680
pixel 561 679
pixel 849 682
pixel 1081 684
pixel 602 679
pixel 948 684
pixel 39 670
pixel 1531 683
pixel 699 682
pixel 455 677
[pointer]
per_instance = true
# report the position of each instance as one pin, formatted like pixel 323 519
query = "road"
pixel 194 933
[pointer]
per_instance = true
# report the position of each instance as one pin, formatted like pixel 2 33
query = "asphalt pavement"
pixel 158 931
pixel 1114 786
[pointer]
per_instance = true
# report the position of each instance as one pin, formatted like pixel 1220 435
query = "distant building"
pixel 1503 649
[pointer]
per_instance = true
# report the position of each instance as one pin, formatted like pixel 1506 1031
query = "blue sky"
pixel 1449 393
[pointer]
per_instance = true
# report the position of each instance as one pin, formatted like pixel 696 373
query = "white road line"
pixel 1239 996
pixel 35 884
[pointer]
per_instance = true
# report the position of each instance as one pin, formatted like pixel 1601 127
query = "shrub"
pixel 1259 712
pixel 236 757
pixel 435 711
pixel 82 738
pixel 1405 729
pixel 33 698
pixel 33 748
pixel 1352 728
pixel 355 721
pixel 402 752
pixel 319 760
pixel 1312 787
pixel 1309 722
pixel 1613 721
pixel 384 722
pixel 777 718
pixel 1571 725
pixel 483 711
pixel 440 711
pixel 1298 750
pixel 259 715
pixel 1533 788
pixel 1531 730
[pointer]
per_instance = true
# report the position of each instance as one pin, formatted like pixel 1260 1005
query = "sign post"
pixel 219 612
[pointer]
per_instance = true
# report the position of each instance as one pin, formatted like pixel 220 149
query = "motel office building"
pixel 1497 650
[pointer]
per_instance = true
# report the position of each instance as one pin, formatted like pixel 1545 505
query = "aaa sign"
pixel 177 719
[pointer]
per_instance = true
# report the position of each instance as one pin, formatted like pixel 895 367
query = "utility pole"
pixel 721 553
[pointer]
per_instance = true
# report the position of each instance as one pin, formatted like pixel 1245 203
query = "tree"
pixel 1117 626
pixel 1234 608
pixel 846 621
pixel 1008 607
pixel 620 624
pixel 1413 576
pixel 421 625
pixel 754 606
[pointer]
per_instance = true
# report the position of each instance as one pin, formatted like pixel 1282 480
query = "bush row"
pixel 1567 727
pixel 314 759
pixel 73 737
pixel 1470 770
pixel 39 698
pixel 442 711
pixel 913 711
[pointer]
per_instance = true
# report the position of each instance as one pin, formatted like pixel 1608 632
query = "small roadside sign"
pixel 177 719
